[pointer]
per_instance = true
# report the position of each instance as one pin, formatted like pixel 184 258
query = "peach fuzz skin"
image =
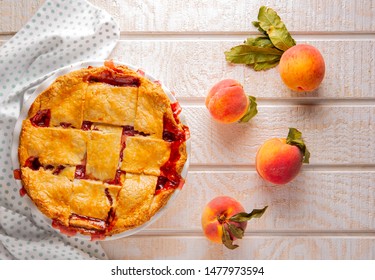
pixel 278 162
pixel 302 68
pixel 227 101
pixel 219 207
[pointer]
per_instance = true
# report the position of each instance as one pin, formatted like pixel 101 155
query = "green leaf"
pixel 264 42
pixel 237 232
pixel 263 52
pixel 265 65
pixel 257 25
pixel 251 110
pixel 244 217
pixel 295 138
pixel 260 41
pixel 248 54
pixel 270 22
pixel 227 241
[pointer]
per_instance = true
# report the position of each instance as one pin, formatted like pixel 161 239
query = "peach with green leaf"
pixel 301 66
pixel 279 160
pixel 224 220
pixel 227 102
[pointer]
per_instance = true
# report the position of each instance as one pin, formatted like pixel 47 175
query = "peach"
pixel 227 101
pixel 224 220
pixel 302 68
pixel 279 160
pixel 216 213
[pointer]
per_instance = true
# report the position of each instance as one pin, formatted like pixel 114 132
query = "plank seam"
pixel 263 233
pixel 292 101
pixel 239 36
pixel 230 36
pixel 336 168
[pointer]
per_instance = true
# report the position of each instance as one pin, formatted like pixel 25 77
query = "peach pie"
pixel 102 150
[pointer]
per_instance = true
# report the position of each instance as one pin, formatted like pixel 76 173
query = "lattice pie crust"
pixel 102 150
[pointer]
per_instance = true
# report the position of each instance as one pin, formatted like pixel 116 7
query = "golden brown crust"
pixel 93 165
pixel 151 107
pixel 110 105
pixel 135 197
pixel 52 145
pixel 64 98
pixel 160 200
pixel 145 155
pixel 102 155
pixel 89 198
pixel 49 192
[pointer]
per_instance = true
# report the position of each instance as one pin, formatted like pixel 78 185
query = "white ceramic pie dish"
pixel 36 214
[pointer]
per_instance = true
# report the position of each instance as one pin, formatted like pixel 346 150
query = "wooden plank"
pixel 214 15
pixel 322 214
pixel 191 67
pixel 236 16
pixel 262 248
pixel 185 75
pixel 314 200
pixel 15 13
pixel 334 134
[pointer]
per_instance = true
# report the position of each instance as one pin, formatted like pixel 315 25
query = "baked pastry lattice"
pixel 102 150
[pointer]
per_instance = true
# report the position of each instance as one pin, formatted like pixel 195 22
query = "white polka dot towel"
pixel 61 33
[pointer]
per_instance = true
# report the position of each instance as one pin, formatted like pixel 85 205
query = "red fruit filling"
pixel 95 223
pixel 58 169
pixel 126 131
pixel 169 177
pixel 117 179
pixel 33 163
pixel 86 125
pixel 23 191
pixel 67 230
pixel 17 174
pixel 80 172
pixel 129 130
pixel 65 125
pixel 176 109
pixel 114 78
pixel 95 227
pixel 42 118
pixel 108 195
pixel 110 221
pixel 171 132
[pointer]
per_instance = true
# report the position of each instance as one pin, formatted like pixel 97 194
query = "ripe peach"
pixel 216 214
pixel 302 68
pixel 224 220
pixel 278 162
pixel 227 101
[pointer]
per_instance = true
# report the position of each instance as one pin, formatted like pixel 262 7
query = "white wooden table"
pixel 328 211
